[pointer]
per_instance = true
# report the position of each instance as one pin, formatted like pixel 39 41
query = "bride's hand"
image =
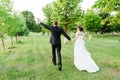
pixel 72 40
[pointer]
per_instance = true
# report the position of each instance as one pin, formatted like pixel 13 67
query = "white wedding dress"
pixel 82 58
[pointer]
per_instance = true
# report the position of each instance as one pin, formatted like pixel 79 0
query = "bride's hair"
pixel 80 28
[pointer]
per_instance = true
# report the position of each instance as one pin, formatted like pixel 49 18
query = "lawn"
pixel 31 59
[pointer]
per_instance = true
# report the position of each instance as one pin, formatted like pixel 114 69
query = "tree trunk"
pixel 3 44
pixel 16 37
pixel 12 41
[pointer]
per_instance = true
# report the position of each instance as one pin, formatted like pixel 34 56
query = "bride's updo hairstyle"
pixel 80 28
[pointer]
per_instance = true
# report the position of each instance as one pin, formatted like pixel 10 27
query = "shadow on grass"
pixel 12 47
pixel 20 42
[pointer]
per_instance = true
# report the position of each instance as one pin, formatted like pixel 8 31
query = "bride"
pixel 82 58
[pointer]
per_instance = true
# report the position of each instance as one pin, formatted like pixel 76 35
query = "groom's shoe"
pixel 55 64
pixel 60 68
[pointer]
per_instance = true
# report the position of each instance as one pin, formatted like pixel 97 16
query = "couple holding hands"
pixel 82 58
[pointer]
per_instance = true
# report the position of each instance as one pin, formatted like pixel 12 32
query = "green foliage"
pixel 48 14
pixel 10 22
pixel 109 22
pixel 21 26
pixel 106 5
pixel 23 31
pixel 29 19
pixel 5 12
pixel 48 11
pixel 30 22
pixel 92 21
pixel 117 8
pixel 115 21
pixel 12 28
pixel 66 12
pixel 37 28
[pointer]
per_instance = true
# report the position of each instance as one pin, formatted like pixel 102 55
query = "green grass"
pixel 31 60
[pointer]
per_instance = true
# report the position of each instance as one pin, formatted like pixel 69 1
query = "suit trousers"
pixel 56 47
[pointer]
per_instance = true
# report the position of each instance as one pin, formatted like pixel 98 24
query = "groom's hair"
pixel 55 23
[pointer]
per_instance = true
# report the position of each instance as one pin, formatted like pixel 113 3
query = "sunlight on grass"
pixel 31 60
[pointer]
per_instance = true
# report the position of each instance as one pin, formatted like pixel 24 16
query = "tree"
pixel 29 19
pixel 48 16
pixel 21 26
pixel 66 12
pixel 92 21
pixel 5 11
pixel 115 21
pixel 16 25
pixel 37 28
pixel 2 34
pixel 105 7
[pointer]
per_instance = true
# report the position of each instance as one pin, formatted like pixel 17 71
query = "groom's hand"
pixel 38 20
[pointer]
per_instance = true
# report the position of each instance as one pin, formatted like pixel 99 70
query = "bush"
pixel 23 32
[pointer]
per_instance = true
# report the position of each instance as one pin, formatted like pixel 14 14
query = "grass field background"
pixel 31 59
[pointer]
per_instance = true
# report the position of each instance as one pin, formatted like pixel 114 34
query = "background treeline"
pixel 14 24
pixel 103 17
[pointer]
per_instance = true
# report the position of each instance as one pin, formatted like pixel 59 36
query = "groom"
pixel 55 41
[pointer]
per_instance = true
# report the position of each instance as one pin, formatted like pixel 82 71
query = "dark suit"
pixel 55 40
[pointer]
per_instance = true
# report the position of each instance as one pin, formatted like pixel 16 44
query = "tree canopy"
pixel 104 8
pixel 66 12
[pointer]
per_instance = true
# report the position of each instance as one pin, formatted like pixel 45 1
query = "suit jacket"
pixel 55 34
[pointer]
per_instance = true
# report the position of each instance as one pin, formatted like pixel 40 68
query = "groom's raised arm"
pixel 41 23
pixel 46 26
